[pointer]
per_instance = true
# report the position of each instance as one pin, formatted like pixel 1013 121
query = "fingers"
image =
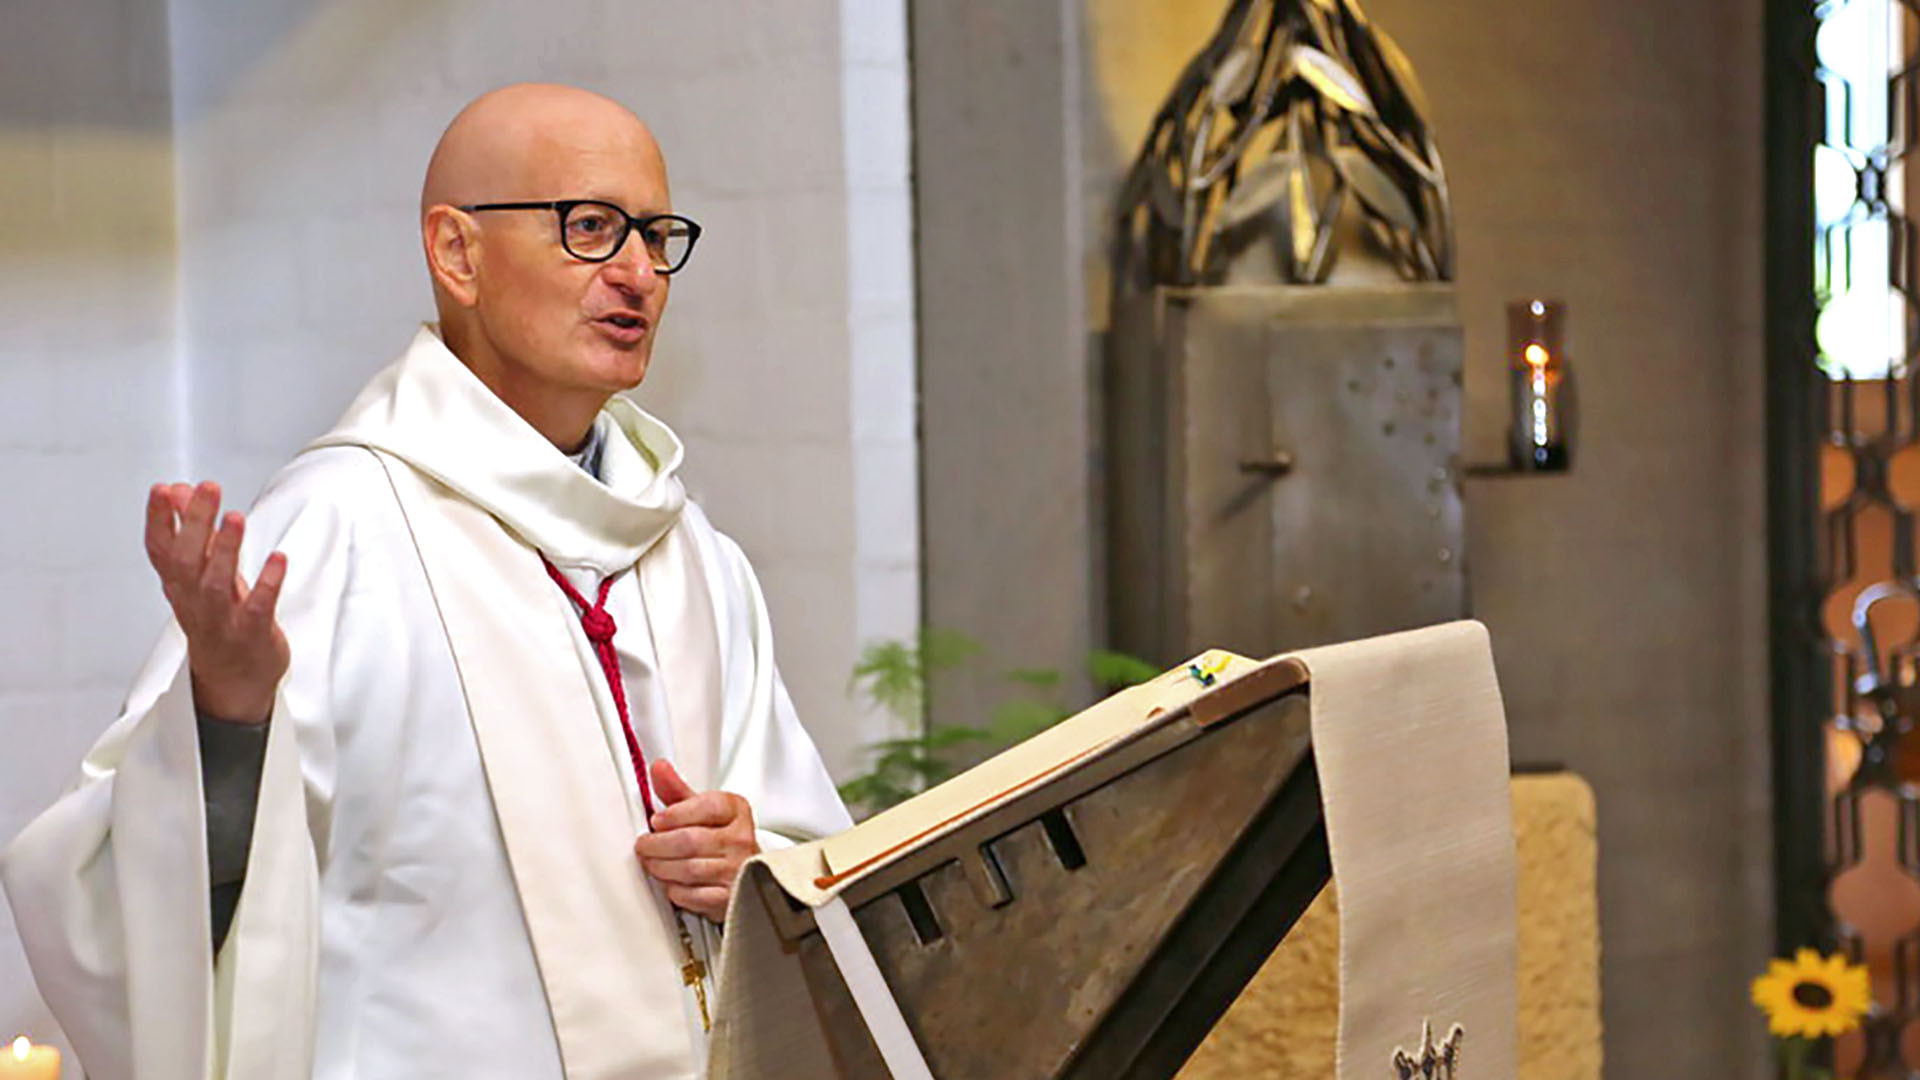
pixel 668 784
pixel 707 901
pixel 185 546
pixel 196 529
pixel 260 602
pixel 220 576
pixel 160 526
pixel 165 504
pixel 691 871
pixel 228 624
pixel 178 530
pixel 698 844
pixel 236 651
pixel 688 843
pixel 716 808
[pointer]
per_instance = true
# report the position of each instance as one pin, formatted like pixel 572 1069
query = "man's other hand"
pixel 700 839
pixel 235 650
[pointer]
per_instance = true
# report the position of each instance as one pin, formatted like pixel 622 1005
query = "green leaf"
pixel 1115 670
pixel 931 770
pixel 874 794
pixel 897 762
pixel 909 744
pixel 866 791
pixel 1038 678
pixel 885 654
pixel 942 649
pixel 889 674
pixel 941 738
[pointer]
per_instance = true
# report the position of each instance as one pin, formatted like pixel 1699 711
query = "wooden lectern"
pixel 1089 918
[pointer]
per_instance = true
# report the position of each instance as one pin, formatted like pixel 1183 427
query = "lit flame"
pixel 1536 354
pixel 21 1048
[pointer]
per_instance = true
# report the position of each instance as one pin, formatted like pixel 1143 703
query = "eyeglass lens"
pixel 596 231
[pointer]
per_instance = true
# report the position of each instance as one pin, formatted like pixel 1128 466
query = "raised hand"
pixel 235 649
pixel 700 839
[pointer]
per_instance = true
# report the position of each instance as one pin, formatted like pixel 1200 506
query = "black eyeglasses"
pixel 594 231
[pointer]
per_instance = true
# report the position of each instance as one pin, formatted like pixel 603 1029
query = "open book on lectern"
pixel 1088 903
pixel 1085 733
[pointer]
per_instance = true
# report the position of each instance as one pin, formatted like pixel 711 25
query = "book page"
pixel 1072 739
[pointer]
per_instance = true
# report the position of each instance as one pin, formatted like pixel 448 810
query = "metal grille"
pixel 1869 489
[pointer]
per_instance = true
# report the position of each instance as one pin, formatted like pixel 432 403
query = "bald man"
pixel 468 725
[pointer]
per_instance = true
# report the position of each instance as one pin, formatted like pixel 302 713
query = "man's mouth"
pixel 624 328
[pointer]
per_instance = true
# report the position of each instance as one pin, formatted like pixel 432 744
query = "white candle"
pixel 25 1061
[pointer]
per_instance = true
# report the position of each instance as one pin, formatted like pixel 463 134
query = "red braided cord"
pixel 600 629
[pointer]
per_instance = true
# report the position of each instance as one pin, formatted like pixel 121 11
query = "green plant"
pixel 893 675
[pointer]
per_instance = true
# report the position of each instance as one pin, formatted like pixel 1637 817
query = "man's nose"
pixel 632 267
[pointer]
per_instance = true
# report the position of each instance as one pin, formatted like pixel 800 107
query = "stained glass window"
pixel 1869 495
pixel 1862 328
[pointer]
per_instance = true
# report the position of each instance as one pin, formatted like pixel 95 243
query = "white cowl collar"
pixel 428 409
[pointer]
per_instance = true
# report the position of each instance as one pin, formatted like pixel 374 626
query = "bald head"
pixel 501 144
pixel 550 332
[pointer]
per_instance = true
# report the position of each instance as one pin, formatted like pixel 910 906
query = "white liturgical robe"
pixel 441 882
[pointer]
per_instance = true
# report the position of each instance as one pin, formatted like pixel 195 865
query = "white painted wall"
pixel 303 129
pixel 87 402
pixel 256 258
pixel 880 288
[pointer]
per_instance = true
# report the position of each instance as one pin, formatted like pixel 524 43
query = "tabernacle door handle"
pixel 1275 465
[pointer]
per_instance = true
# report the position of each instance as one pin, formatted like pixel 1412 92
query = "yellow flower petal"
pixel 1846 988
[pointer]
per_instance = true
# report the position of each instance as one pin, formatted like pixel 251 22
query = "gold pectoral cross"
pixel 694 974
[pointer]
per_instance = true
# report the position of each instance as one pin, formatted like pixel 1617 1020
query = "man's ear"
pixel 453 252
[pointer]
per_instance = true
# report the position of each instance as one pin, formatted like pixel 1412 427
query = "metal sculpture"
pixel 1298 121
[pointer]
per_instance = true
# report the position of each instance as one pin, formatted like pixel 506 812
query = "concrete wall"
pixel 196 273
pixel 1608 154
pixel 1007 417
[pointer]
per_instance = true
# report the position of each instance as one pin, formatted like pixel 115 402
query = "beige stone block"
pixel 1283 1025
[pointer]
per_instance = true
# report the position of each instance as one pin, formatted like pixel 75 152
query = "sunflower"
pixel 1813 996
